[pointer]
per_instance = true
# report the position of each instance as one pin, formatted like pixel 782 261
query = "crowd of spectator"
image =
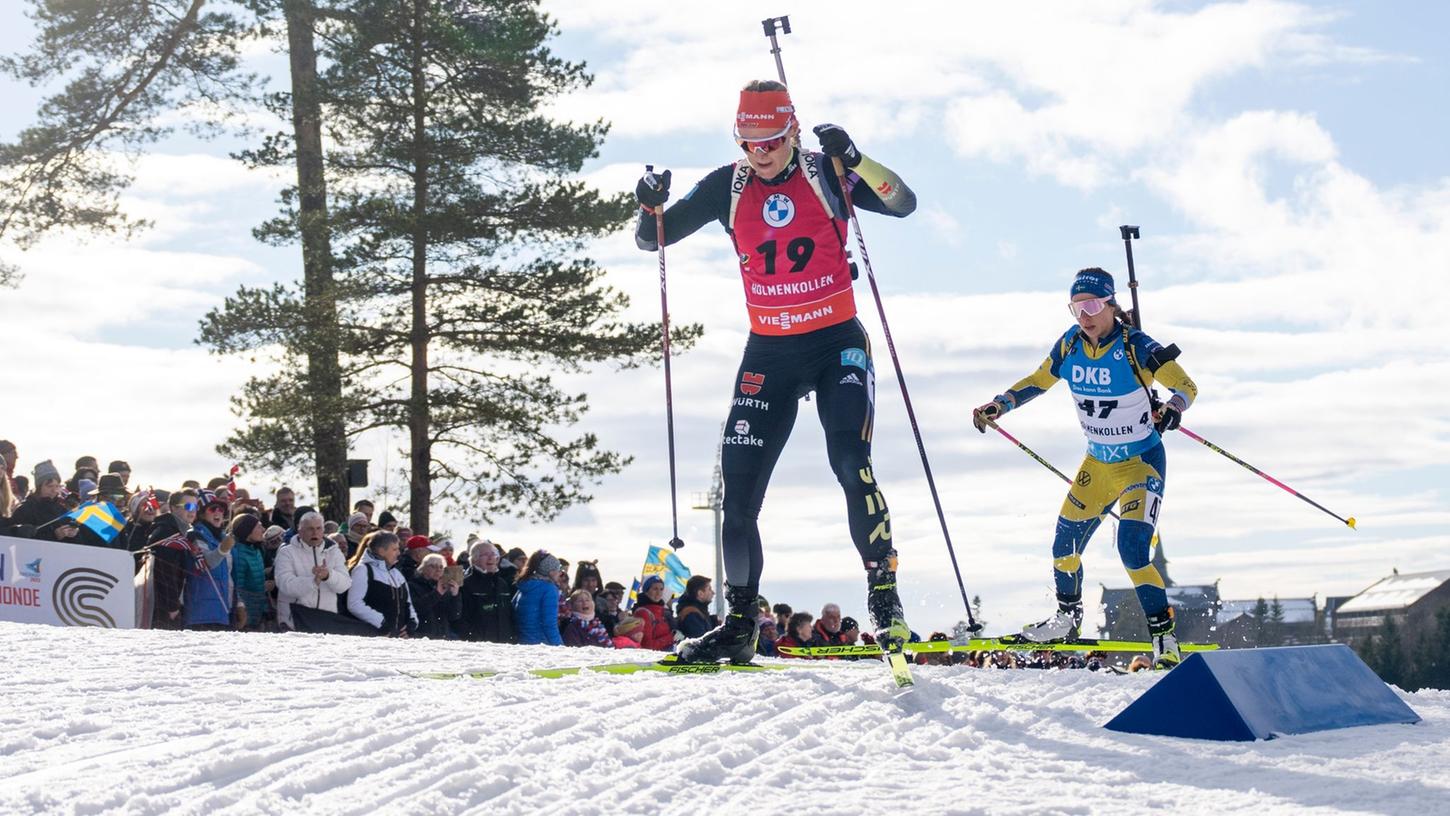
pixel 211 557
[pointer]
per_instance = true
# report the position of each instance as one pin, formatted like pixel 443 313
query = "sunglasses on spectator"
pixel 191 507
pixel 1088 307
pixel 763 146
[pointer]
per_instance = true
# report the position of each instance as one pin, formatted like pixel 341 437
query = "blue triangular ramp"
pixel 1248 694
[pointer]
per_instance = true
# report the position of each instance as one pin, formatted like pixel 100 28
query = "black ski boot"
pixel 734 640
pixel 885 605
pixel 1165 643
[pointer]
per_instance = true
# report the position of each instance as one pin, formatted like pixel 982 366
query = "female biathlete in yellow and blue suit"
pixel 1110 367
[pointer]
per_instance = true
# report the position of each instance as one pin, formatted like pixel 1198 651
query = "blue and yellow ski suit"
pixel 1125 462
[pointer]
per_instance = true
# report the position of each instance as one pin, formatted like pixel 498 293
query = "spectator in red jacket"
pixel 659 634
pixel 830 631
pixel 628 632
pixel 798 633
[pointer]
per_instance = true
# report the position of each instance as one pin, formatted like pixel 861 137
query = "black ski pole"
pixel 675 542
pixel 972 625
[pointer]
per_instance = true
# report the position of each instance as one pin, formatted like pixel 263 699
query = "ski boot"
pixel 734 640
pixel 884 604
pixel 1062 627
pixel 1165 643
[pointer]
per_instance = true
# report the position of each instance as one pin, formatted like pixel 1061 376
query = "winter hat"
pixel 275 531
pixel 133 504
pixel 118 466
pixel 244 525
pixel 357 522
pixel 627 624
pixel 86 488
pixel 88 463
pixel 210 499
pixel 649 582
pixel 847 624
pixel 45 472
pixel 763 115
pixel 111 485
pixel 386 518
pixel 1092 281
pixel 548 565
pixel 418 542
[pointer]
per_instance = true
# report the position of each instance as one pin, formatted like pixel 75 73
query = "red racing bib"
pixel 794 268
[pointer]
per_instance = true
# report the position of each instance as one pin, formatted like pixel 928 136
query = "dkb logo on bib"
pixel 778 211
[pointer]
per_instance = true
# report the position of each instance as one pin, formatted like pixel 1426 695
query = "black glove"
pixel 836 144
pixel 991 410
pixel 653 189
pixel 1167 418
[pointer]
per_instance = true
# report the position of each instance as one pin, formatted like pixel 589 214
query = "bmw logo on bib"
pixel 778 211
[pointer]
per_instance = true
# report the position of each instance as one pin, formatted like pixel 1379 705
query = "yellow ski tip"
pixel 1350 522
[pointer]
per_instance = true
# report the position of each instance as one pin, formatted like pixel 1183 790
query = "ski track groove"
pixel 198 723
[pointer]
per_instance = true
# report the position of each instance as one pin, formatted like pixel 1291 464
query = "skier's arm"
pixel 876 188
pixel 708 200
pixel 1172 376
pixel 1032 386
pixel 873 187
pixel 1163 367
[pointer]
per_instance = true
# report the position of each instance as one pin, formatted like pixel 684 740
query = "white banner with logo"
pixel 66 584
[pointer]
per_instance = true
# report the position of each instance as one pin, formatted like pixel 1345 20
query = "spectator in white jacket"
pixel 379 594
pixel 310 571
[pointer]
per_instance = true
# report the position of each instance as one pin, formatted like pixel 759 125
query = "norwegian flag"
pixel 180 542
pixel 232 483
pixel 150 501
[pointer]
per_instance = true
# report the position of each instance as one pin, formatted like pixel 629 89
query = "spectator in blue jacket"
pixel 536 602
pixel 210 594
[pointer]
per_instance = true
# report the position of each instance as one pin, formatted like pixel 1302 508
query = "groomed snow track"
pixel 95 721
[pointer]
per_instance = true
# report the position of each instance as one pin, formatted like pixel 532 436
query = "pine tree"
pixel 460 276
pixel 124 65
pixel 1275 627
pixel 1261 622
pixel 1390 652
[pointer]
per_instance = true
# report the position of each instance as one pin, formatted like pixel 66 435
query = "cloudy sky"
pixel 1285 162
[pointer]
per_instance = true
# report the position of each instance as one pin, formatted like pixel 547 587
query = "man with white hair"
pixel 828 627
pixel 310 571
pixel 488 597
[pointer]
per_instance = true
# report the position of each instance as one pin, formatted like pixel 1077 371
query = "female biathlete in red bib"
pixel 782 208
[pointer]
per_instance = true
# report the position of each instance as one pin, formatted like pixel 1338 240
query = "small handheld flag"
pixel 100 517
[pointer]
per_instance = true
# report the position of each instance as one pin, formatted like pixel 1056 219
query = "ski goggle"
pixel 191 506
pixel 1088 307
pixel 763 146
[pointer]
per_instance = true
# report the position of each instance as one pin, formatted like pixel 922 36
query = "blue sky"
pixel 1285 162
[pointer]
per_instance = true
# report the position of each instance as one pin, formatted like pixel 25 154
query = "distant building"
pixel 1238 626
pixel 1410 600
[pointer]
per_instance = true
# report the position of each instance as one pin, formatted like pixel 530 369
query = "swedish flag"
pixel 668 566
pixel 101 518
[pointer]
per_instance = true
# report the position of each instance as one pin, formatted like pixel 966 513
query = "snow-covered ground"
pixel 95 721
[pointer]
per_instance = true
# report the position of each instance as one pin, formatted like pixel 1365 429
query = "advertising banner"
pixel 66 584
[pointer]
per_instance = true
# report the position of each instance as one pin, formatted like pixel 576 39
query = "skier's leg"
pixel 846 404
pixel 1142 499
pixel 1082 510
pixel 762 413
pixel 763 410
